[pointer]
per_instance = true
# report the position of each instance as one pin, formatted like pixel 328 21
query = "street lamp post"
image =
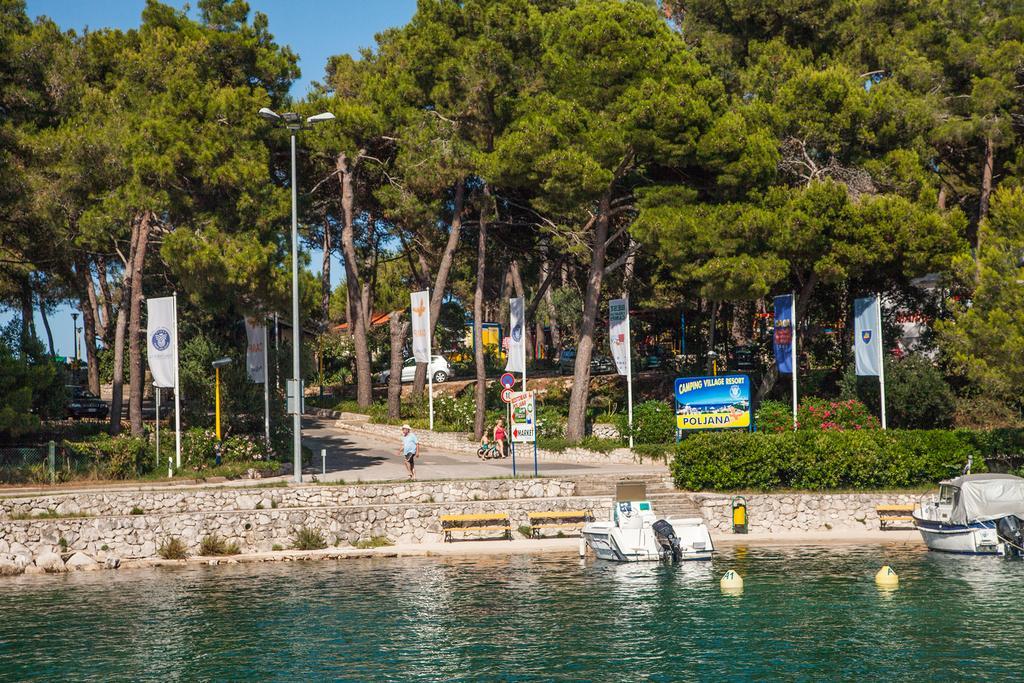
pixel 294 123
pixel 217 365
pixel 74 344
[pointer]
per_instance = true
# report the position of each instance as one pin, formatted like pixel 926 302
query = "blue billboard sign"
pixel 721 402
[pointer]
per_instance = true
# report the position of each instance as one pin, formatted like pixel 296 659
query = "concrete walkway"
pixel 356 457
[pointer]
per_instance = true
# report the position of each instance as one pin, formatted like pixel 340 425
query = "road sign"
pixel 508 380
pixel 524 423
pixel 506 395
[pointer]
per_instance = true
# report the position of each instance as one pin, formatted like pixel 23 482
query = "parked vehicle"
pixel 438 366
pixel 654 358
pixel 84 403
pixel 599 364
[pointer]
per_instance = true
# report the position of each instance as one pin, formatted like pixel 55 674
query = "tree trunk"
pixel 399 330
pixel 90 310
pixel 942 197
pixel 768 383
pixel 136 369
pixel 441 280
pixel 629 270
pixel 356 316
pixel 986 184
pixel 480 393
pixel 325 277
pixel 576 425
pixel 46 327
pixel 107 301
pixel 546 273
pixel 117 383
pixel 28 326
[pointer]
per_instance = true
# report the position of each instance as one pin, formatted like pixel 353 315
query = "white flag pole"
pixel 430 370
pixel 522 346
pixel 177 392
pixel 881 354
pixel 266 387
pixel 629 374
pixel 792 357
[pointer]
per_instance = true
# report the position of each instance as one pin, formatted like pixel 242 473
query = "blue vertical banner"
pixel 867 343
pixel 782 337
pixel 682 334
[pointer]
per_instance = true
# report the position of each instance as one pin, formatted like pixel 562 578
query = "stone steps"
pixel 605 485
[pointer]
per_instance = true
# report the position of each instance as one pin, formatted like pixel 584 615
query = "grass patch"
pixel 374 542
pixel 553 443
pixel 598 445
pixel 215 545
pixel 526 530
pixel 137 511
pixel 49 514
pixel 277 547
pixel 172 549
pixel 307 538
pixel 654 451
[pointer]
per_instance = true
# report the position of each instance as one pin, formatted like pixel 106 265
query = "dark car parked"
pixel 84 403
pixel 599 364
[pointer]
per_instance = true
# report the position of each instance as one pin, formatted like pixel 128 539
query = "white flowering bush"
pixel 454 414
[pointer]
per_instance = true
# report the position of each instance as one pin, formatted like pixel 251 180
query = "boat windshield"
pixel 947 494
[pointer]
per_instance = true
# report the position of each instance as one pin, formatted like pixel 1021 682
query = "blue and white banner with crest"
pixel 867 342
pixel 516 336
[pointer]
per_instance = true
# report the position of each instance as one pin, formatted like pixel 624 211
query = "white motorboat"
pixel 976 514
pixel 635 534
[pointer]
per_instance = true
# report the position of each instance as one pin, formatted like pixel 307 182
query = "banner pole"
pixel 177 393
pixel 792 359
pixel 430 361
pixel 881 354
pixel 156 395
pixel 266 387
pixel 629 374
pixel 535 469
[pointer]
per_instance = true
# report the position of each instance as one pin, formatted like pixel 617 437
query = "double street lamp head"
pixel 293 120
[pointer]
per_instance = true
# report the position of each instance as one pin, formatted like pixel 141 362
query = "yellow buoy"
pixel 887 578
pixel 731 581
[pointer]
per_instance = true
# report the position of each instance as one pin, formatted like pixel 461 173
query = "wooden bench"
pixel 893 514
pixel 558 519
pixel 485 521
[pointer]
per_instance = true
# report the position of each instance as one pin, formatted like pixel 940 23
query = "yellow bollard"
pixel 731 582
pixel 887 578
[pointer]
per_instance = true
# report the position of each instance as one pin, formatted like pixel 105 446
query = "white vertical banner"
pixel 867 343
pixel 162 355
pixel 621 346
pixel 420 306
pixel 255 363
pixel 161 338
pixel 516 337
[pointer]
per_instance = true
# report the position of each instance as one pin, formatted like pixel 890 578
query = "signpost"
pixel 721 402
pixel 523 425
pixel 506 395
pixel 508 380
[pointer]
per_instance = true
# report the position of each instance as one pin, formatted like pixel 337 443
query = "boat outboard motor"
pixel 1011 531
pixel 667 539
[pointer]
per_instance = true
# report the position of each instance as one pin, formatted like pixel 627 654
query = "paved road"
pixel 358 457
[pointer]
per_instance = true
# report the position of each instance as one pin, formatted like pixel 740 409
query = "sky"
pixel 314 29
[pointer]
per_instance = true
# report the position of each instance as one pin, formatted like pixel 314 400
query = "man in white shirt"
pixel 410 449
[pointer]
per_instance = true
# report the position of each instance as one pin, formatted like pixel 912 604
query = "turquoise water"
pixel 808 613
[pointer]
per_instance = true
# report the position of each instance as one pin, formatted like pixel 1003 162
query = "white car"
pixel 438 366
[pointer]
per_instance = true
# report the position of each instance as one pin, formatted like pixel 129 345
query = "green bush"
pixel 307 538
pixel 815 414
pixel 113 457
pixel 917 395
pixel 197 447
pixel 243 448
pixel 550 422
pixel 215 545
pixel 454 414
pixel 173 549
pixel 653 423
pixel 824 460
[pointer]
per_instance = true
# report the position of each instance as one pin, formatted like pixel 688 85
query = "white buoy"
pixel 887 578
pixel 731 582
pixel 583 547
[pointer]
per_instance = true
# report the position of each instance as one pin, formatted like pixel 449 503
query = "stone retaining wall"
pixel 106 503
pixel 139 536
pixel 461 442
pixel 793 512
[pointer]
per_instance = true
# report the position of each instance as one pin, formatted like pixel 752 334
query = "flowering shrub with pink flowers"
pixel 816 414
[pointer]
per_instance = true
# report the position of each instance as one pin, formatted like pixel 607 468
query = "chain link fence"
pixel 45 464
